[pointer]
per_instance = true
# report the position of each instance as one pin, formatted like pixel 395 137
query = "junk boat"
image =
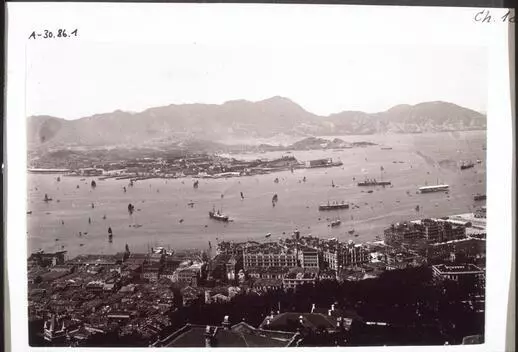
pixel 477 197
pixel 218 215
pixel 333 206
pixel 47 198
pixel 430 189
pixel 467 165
pixel 336 223
pixel 373 182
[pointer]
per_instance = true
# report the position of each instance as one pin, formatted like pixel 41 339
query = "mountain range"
pixel 240 119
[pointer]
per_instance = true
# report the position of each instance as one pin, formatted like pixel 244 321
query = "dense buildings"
pixel 428 230
pixel 135 295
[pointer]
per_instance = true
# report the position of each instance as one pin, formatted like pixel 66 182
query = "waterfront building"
pixel 46 259
pixel 268 255
pixel 400 233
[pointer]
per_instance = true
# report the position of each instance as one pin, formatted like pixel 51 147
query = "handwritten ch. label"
pixel 485 16
pixel 54 34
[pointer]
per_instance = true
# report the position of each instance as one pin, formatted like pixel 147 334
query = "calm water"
pixel 162 204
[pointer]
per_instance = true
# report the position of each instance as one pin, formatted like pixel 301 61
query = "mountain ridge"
pixel 242 118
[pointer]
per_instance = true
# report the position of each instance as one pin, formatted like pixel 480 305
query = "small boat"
pixel 29 212
pixel 180 221
pixel 276 180
pixel 351 231
pixel 268 235
pixel 195 184
pixel 478 197
pixel 336 223
pixel 110 238
pixel 81 245
pixel 93 206
pixel 93 184
pixel 332 184
pixel 467 165
pixel 191 204
pixel 58 179
pixel 370 191
pixel 47 198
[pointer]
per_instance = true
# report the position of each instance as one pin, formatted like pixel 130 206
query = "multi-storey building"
pixel 308 258
pixel 268 255
pixel 331 257
pixel 402 233
pixel 296 279
pixel 354 254
pixel 457 272
pixel 431 230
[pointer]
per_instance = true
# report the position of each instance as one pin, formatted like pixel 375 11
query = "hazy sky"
pixel 96 78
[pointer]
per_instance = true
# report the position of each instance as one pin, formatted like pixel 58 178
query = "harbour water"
pixel 162 216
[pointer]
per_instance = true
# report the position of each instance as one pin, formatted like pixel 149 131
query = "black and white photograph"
pixel 255 193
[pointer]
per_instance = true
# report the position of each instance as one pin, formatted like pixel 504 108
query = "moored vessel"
pixel 333 206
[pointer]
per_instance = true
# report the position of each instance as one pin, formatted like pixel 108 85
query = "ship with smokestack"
pixel 374 182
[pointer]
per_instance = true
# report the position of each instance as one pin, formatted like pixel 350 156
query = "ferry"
pixel 217 215
pixel 430 189
pixel 333 206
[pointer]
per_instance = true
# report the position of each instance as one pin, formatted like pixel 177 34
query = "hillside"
pixel 241 119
